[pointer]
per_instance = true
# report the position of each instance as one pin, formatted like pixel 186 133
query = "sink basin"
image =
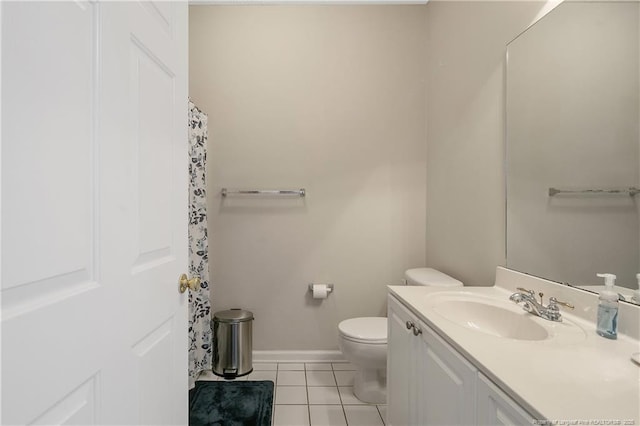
pixel 491 313
pixel 492 319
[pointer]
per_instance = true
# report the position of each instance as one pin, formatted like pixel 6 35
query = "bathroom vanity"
pixel 471 356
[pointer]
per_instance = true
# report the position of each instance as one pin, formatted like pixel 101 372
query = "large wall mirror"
pixel 573 136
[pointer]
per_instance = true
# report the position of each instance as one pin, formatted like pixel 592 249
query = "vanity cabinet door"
pixel 496 408
pixel 447 387
pixel 428 382
pixel 400 377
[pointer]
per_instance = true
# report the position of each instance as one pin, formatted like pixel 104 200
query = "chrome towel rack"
pixel 631 191
pixel 274 192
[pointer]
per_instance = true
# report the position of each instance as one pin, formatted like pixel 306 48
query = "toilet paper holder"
pixel 329 287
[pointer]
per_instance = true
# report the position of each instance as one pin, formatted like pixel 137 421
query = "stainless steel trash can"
pixel 232 337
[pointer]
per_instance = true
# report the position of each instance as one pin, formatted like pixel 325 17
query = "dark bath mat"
pixel 226 403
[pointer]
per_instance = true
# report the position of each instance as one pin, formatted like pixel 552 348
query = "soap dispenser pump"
pixel 607 323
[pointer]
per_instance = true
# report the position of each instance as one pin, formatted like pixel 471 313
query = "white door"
pixel 94 212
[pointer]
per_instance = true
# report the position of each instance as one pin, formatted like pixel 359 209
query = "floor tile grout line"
pixel 307 389
pixel 344 413
pixel 380 414
pixel 275 389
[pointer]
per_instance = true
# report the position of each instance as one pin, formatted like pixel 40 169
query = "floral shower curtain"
pixel 199 305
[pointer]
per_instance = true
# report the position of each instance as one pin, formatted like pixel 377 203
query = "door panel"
pixel 154 354
pixel 163 12
pixel 449 384
pixel 152 97
pixel 51 154
pixel 77 408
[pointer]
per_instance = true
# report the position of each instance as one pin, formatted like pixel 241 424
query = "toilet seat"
pixel 369 330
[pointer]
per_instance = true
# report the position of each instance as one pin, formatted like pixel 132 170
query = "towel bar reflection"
pixel 631 191
pixel 296 192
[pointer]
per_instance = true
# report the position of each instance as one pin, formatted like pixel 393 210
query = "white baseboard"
pixel 298 356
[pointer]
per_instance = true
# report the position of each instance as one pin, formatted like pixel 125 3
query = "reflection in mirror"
pixel 573 135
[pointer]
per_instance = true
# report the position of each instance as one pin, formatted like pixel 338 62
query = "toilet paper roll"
pixel 320 291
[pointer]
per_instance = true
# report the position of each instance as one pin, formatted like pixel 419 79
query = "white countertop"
pixel 588 379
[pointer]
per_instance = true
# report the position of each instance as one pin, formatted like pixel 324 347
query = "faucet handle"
pixel 554 301
pixel 531 292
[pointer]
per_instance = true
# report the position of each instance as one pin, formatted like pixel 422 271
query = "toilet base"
pixel 370 385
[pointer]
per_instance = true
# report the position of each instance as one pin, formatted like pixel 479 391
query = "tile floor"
pixel 314 394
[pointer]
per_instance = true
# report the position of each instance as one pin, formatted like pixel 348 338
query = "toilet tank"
pixel 430 277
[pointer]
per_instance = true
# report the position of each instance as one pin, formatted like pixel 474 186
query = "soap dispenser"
pixel 607 322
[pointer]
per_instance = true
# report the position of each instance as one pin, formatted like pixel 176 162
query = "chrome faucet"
pixel 531 305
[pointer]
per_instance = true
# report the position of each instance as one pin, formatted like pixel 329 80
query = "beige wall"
pixel 330 98
pixel 465 134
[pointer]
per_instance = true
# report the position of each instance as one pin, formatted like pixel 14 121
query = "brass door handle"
pixel 185 283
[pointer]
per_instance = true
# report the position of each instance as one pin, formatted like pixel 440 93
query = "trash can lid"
pixel 233 315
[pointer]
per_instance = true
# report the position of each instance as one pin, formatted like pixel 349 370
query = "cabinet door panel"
pixel 399 374
pixel 448 383
pixel 497 408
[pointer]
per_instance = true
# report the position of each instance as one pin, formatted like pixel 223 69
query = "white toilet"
pixel 363 341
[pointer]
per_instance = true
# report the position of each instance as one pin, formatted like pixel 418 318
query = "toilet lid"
pixel 430 277
pixel 366 329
